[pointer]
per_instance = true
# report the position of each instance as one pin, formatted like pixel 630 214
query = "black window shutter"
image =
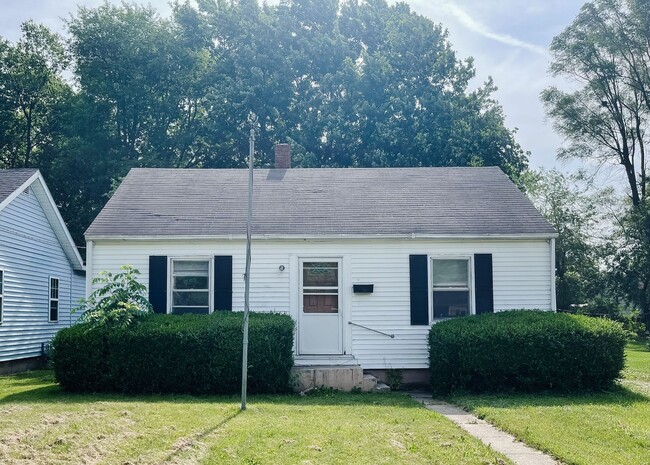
pixel 418 272
pixel 222 282
pixel 483 282
pixel 158 283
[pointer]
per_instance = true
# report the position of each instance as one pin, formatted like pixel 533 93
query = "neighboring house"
pixel 354 255
pixel 41 273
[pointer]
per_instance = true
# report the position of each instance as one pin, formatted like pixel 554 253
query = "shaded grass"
pixel 41 424
pixel 605 428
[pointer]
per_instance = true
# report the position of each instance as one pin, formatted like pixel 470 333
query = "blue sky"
pixel 508 39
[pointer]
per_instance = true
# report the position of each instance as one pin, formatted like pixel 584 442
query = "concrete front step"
pixel 343 378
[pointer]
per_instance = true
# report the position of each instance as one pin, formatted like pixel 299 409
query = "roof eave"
pixel 521 236
pixel 53 216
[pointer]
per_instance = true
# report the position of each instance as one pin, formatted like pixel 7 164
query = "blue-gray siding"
pixel 29 255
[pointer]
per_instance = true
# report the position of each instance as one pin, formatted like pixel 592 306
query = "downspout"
pixel 553 298
pixel 89 268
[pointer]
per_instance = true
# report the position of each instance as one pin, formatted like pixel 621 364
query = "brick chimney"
pixel 282 156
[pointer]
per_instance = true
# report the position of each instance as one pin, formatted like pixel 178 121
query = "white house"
pixel 364 260
pixel 41 273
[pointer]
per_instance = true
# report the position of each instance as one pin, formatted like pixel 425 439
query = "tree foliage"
pixel 119 300
pixel 606 51
pixel 32 93
pixel 351 84
pixel 630 263
pixel 576 210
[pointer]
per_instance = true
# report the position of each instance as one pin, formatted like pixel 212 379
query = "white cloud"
pixel 476 26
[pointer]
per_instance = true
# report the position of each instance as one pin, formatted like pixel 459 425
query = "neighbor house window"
pixel 190 286
pixel 54 299
pixel 2 290
pixel 451 287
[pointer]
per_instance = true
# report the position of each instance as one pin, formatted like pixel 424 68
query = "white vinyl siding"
pixel 521 272
pixel 30 253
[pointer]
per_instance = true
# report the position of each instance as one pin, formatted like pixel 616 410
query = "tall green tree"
pixel 32 95
pixel 149 79
pixel 630 263
pixel 606 52
pixel 359 83
pixel 354 83
pixel 576 210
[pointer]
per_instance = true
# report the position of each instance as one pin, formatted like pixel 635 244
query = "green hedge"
pixel 197 354
pixel 525 350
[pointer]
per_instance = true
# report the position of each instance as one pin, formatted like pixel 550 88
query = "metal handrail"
pixel 392 336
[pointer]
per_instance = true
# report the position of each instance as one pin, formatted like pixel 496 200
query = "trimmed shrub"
pixel 525 350
pixel 193 354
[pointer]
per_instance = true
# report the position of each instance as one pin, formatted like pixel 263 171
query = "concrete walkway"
pixel 498 440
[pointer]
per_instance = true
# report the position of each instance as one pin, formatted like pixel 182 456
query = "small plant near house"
pixel 525 351
pixel 119 300
pixel 394 377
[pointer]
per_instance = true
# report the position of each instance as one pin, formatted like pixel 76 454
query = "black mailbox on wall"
pixel 363 288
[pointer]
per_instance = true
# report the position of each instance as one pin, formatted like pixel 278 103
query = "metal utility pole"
pixel 247 275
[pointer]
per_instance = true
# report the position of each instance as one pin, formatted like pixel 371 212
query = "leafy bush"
pixel 525 350
pixel 197 354
pixel 119 300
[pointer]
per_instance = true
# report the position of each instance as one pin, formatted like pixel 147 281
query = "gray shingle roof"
pixel 12 179
pixel 319 202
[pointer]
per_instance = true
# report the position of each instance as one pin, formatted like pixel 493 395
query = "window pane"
pixel 184 298
pixel 54 288
pixel 320 303
pixel 450 273
pixel 190 282
pixel 192 268
pixel 2 275
pixel 54 310
pixel 450 303
pixel 316 274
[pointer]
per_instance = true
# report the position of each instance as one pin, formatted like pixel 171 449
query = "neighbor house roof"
pixel 11 180
pixel 319 202
pixel 15 181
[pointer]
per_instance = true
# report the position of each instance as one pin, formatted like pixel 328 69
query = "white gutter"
pixel 242 237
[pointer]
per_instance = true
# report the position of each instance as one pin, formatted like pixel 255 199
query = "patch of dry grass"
pixel 41 424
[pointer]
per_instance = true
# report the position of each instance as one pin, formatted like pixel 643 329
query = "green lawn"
pixel 601 428
pixel 40 424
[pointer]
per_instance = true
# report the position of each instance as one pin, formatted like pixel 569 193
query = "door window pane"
pixel 320 274
pixel 320 303
pixel 320 287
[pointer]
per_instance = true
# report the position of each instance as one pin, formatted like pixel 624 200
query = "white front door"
pixel 320 320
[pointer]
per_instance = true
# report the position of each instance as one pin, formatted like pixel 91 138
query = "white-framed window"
pixel 451 283
pixel 191 285
pixel 54 300
pixel 2 294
